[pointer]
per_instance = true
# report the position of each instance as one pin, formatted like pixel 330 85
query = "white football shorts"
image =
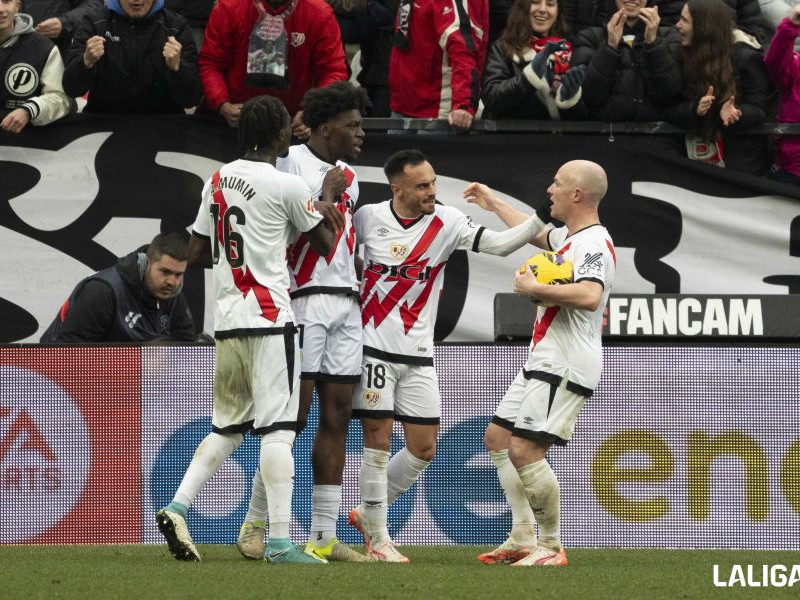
pixel 541 406
pixel 257 383
pixel 330 332
pixel 405 393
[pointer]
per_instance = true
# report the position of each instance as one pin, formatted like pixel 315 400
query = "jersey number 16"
pixel 233 242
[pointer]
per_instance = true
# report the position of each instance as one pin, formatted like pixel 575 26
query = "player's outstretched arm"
pixel 585 294
pixel 503 243
pixel 482 195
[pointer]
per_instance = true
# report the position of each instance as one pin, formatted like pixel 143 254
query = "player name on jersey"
pixel 237 185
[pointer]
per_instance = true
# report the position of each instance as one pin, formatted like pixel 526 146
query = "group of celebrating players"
pixel 359 330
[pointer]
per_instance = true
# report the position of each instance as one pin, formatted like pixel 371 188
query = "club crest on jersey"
pixel 399 250
pixel 372 398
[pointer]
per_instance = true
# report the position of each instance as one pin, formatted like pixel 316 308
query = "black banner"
pixel 77 194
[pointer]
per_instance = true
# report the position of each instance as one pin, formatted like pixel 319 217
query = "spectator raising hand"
pixel 705 102
pixel 94 51
pixel 172 53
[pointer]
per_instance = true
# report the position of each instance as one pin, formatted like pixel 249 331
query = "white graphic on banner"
pixel 67 186
pixel 124 234
pixel 42 290
pixel 45 453
pixel 728 244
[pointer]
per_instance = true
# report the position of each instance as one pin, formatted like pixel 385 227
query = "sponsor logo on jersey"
pixel 409 272
pixel 592 266
pixel 372 398
pixel 383 232
pixel 113 38
pixel 399 250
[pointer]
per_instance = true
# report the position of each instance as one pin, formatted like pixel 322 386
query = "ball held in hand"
pixel 549 268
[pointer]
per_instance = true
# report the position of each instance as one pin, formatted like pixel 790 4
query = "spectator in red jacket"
pixel 281 48
pixel 437 61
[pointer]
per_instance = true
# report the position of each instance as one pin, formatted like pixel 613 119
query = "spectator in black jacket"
pixel 58 19
pixel 527 73
pixel 134 56
pixel 631 73
pixel 747 16
pixel 137 300
pixel 725 87
pixel 577 15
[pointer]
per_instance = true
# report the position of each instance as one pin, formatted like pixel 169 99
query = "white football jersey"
pixel 251 211
pixel 567 337
pixel 403 277
pixel 310 272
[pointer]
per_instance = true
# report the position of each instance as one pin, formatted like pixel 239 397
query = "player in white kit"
pixel 324 292
pixel 407 242
pixel 563 366
pixel 249 212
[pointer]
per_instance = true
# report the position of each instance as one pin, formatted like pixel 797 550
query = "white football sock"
pixel 207 460
pixel 324 513
pixel 372 485
pixel 522 519
pixel 403 470
pixel 277 471
pixel 259 505
pixel 544 494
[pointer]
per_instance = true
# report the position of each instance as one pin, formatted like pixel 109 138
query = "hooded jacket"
pixel 114 306
pixel 783 66
pixel 132 75
pixel 31 75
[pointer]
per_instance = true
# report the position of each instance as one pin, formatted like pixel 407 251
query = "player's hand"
pixel 614 28
pixel 15 121
pixel 334 218
pixel 94 50
pixel 729 113
pixel 480 194
pixel 460 119
pixel 172 54
pixel 300 131
pixel 334 184
pixel 525 284
pixel 706 102
pixel 794 16
pixel 50 28
pixel 651 22
pixel 231 113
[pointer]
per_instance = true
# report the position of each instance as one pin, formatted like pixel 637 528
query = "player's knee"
pixel 423 451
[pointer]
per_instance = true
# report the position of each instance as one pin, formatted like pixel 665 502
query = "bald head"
pixel 588 176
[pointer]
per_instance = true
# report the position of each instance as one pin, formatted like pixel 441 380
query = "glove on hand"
pixel 542 58
pixel 571 81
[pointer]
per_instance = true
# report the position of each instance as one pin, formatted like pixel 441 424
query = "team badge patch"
pixel 21 80
pixel 372 398
pixel 399 251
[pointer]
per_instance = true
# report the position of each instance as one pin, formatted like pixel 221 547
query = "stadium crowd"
pixel 707 66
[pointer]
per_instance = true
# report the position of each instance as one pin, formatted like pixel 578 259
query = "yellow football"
pixel 549 268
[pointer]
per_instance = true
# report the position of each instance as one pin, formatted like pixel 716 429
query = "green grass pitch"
pixel 140 572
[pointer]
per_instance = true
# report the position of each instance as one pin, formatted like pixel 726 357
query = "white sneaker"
pixel 385 551
pixel 543 557
pixel 250 542
pixel 174 529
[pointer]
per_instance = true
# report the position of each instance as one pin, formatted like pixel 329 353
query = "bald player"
pixel 563 366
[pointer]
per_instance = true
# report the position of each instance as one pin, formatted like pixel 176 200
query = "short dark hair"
pixel 261 120
pixel 396 163
pixel 172 244
pixel 320 105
